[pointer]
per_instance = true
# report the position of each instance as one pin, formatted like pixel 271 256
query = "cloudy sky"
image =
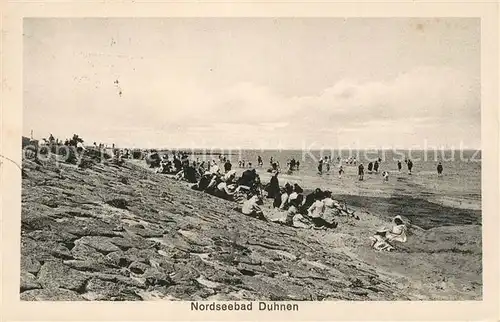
pixel 254 83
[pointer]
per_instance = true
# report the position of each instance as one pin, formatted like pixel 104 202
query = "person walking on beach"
pixel 320 166
pixel 361 171
pixel 410 166
pixel 259 161
pixel 439 168
pixel 341 171
pixel 370 167
pixel 375 166
pixel 399 165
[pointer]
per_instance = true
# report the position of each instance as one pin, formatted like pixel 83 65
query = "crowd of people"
pixel 317 209
pixel 289 205
pixel 219 179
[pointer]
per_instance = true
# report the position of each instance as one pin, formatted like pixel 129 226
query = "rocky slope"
pixel 123 233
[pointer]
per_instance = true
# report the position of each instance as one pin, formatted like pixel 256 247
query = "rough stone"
pixel 30 264
pixel 28 282
pixel 53 294
pixel 57 275
pixel 101 244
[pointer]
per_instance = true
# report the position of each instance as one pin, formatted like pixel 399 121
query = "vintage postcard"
pixel 237 161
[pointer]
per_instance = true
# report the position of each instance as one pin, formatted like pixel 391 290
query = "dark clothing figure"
pixel 370 167
pixel 440 168
pixel 410 166
pixel 297 188
pixel 310 199
pixel 190 174
pixel 177 164
pixel 399 166
pixel 361 171
pixel 375 166
pixel 320 222
pixel 248 178
pixel 204 182
pixel 320 167
pixel 227 166
pixel 273 189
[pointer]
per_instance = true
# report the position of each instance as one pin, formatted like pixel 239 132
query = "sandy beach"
pixel 113 232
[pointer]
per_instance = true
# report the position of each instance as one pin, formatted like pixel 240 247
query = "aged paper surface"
pixel 170 154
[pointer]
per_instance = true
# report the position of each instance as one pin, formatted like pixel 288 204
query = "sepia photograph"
pixel 251 159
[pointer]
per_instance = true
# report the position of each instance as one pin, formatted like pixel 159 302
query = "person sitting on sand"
pixel 249 181
pixel 177 164
pixel 293 217
pixel 334 207
pixel 225 191
pixel 297 188
pixel 162 168
pixel 383 239
pixel 80 147
pixel 251 207
pixel 398 231
pixel 295 192
pixel 214 168
pixel 316 211
pixel 204 182
pixel 188 173
pixel 230 177
pixel 309 200
pixel 285 195
pixel 331 208
pixel 215 180
pixel 247 178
